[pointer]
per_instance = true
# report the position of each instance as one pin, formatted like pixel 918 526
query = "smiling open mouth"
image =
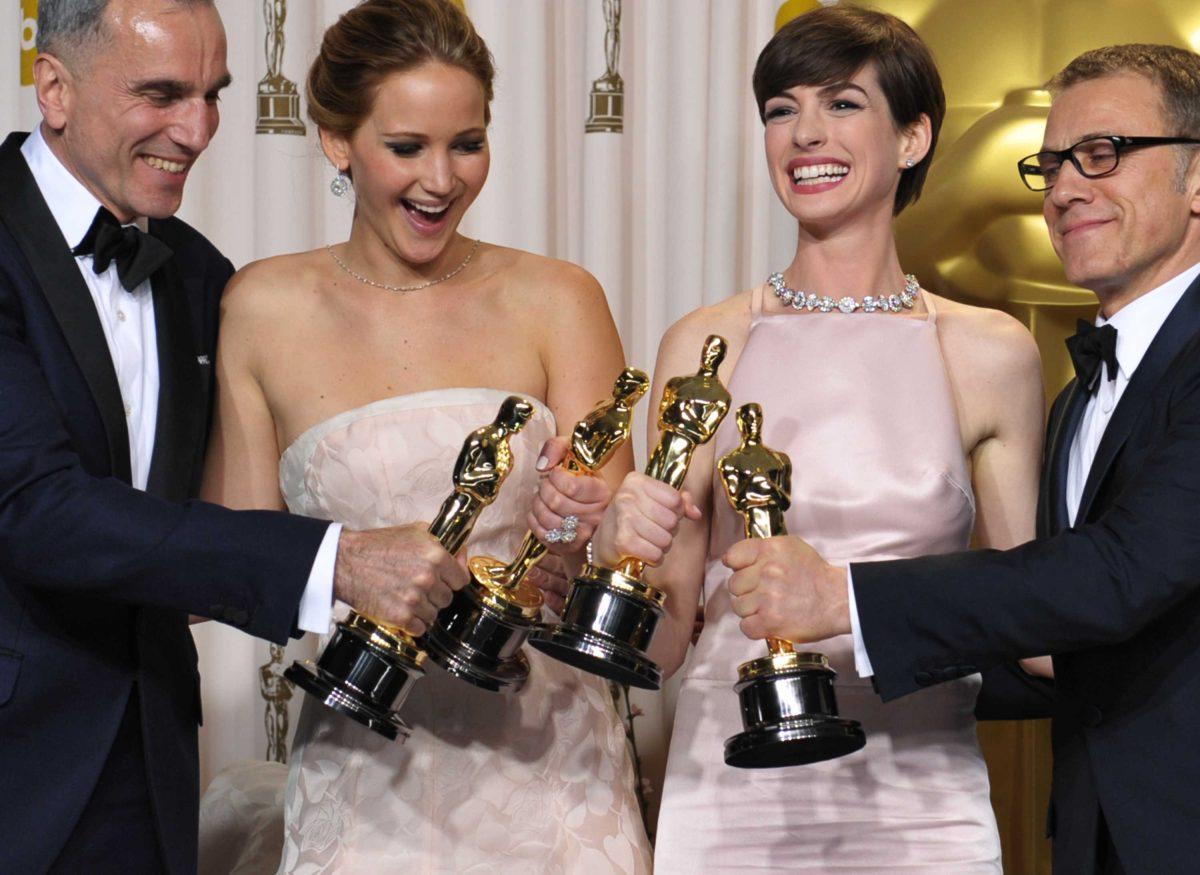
pixel 164 165
pixel 818 174
pixel 426 214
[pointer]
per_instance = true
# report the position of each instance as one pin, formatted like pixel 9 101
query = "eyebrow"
pixel 175 89
pixel 415 135
pixel 835 87
pixel 1090 136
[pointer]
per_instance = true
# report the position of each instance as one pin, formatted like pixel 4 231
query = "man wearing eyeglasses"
pixel 1111 586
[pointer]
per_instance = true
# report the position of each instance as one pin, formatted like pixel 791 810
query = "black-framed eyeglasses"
pixel 1092 157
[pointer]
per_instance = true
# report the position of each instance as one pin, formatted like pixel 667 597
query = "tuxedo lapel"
pixel 1181 325
pixel 179 431
pixel 26 216
pixel 1062 429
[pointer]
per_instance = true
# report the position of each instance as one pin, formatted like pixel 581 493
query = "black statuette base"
pixel 473 641
pixel 356 677
pixel 791 719
pixel 604 631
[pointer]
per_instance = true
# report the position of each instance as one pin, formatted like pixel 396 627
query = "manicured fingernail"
pixel 542 463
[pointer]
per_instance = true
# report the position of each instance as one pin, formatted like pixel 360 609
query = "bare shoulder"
pixel 984 342
pixel 268 288
pixel 544 284
pixel 730 318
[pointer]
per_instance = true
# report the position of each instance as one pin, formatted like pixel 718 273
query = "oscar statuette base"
pixel 790 714
pixel 365 673
pixel 479 635
pixel 607 623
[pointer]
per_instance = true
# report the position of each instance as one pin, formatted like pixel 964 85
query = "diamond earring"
pixel 340 184
pixel 908 162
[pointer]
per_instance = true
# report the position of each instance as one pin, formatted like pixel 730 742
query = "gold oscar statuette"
pixel 277 691
pixel 278 97
pixel 368 667
pixel 610 615
pixel 478 637
pixel 789 712
pixel 607 97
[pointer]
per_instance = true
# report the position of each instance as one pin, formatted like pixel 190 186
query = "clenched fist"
pixel 782 588
pixel 401 576
pixel 563 493
pixel 641 521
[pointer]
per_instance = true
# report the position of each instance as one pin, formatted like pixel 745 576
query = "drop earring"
pixel 340 184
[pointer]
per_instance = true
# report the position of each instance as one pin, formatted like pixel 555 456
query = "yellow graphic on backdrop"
pixel 28 39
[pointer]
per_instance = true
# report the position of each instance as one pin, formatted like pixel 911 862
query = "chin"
pixel 159 207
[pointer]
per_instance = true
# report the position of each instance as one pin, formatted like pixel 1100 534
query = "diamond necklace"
pixel 869 304
pixel 370 282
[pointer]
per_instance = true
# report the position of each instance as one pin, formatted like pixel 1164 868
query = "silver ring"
pixel 564 534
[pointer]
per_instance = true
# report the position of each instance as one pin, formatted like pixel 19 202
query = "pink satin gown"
pixel 534 782
pixel 863 406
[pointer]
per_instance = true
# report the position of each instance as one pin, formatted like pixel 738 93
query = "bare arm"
pixel 241 469
pixel 678 567
pixel 242 461
pixel 582 356
pixel 999 384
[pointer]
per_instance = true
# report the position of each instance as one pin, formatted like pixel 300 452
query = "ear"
pixel 53 86
pixel 336 148
pixel 1191 182
pixel 914 142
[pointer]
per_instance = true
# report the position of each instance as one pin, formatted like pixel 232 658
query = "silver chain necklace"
pixel 799 300
pixel 362 279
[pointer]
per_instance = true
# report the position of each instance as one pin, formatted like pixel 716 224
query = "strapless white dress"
pixel 539 781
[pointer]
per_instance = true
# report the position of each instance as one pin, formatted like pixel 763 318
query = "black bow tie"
pixel 1090 347
pixel 137 255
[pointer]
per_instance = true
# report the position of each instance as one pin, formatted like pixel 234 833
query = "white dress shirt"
pixel 127 319
pixel 1137 324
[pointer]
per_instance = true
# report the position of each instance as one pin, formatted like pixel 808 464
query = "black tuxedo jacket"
pixel 97 578
pixel 1116 599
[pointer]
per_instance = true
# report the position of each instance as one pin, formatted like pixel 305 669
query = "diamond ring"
pixel 564 534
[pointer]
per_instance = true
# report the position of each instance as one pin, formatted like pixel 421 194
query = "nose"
pixel 194 124
pixel 1070 187
pixel 808 129
pixel 437 176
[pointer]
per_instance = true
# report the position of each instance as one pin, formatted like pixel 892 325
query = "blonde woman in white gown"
pixel 348 378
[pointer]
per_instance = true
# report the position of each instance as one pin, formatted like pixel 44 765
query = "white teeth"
pixel 163 164
pixel 813 174
pixel 428 210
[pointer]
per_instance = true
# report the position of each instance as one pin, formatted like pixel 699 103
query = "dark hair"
pixel 66 26
pixel 1176 72
pixel 832 44
pixel 380 37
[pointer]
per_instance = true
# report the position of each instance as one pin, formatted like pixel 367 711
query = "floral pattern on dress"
pixel 540 781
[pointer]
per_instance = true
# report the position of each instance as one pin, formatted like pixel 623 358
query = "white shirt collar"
pixel 71 204
pixel 1139 321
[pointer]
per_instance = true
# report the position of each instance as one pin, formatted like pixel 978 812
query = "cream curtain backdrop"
pixel 674 212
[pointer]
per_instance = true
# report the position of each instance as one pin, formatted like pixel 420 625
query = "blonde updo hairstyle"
pixel 380 37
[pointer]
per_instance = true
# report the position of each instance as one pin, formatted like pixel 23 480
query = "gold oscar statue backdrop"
pixel 977 235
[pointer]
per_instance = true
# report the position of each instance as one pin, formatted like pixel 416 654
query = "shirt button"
pixel 128 410
pixel 120 315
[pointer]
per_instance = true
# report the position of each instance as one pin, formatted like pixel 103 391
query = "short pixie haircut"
pixel 834 43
